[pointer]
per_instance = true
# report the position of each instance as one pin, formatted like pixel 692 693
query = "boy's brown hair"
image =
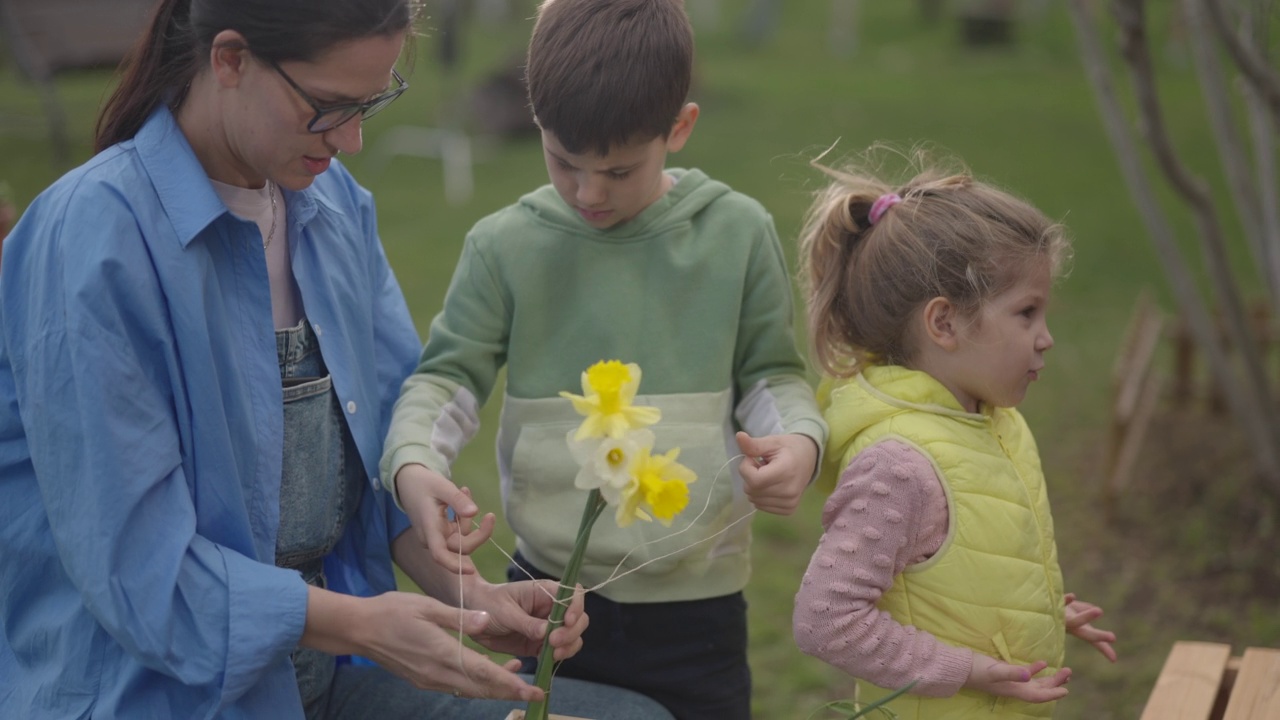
pixel 604 73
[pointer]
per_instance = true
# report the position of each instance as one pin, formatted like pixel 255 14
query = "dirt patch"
pixel 1189 552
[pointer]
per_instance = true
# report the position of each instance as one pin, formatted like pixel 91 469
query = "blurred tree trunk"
pixel 1240 374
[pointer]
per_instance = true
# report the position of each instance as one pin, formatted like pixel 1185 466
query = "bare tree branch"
pixel 1264 153
pixel 1231 151
pixel 1129 14
pixel 1245 406
pixel 1260 75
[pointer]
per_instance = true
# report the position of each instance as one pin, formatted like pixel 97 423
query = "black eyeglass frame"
pixel 346 111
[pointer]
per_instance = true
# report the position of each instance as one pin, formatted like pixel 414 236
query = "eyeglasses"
pixel 330 117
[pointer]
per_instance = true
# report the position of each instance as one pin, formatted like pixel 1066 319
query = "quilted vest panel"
pixel 995 585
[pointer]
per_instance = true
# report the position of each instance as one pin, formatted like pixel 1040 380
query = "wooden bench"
pixel 1202 681
pixel 46 37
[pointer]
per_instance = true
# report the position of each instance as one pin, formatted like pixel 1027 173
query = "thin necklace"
pixel 271 188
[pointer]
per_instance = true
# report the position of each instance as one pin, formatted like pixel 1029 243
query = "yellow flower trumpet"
pixel 608 390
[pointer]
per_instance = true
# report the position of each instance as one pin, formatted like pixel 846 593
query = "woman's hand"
pixel 1017 681
pixel 415 637
pixel 427 498
pixel 1080 616
pixel 518 617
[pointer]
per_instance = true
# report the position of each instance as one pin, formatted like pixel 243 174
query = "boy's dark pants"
pixel 690 656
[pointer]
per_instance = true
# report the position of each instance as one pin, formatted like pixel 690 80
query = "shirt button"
pixel 351 406
pixel 319 332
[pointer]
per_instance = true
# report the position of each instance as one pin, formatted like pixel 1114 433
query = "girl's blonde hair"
pixel 951 236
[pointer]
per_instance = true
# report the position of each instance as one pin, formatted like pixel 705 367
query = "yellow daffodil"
pixel 608 390
pixel 617 465
pixel 659 483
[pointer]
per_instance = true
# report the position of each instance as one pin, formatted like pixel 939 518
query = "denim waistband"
pixel 295 343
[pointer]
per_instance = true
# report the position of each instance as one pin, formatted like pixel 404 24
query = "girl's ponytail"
pixel 872 255
pixel 835 231
pixel 157 69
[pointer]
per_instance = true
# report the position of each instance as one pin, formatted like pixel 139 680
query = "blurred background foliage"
pixel 1187 555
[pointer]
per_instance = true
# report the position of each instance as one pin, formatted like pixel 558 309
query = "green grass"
pixel 1023 117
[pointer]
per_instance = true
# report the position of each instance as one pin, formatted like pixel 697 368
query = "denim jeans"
pixel 691 656
pixel 371 693
pixel 322 480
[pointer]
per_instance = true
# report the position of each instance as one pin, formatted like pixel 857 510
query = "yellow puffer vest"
pixel 994 586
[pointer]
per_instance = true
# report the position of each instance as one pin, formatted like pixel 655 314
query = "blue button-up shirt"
pixel 142 431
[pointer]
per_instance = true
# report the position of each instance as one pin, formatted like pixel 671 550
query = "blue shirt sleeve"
pixel 397 354
pixel 90 341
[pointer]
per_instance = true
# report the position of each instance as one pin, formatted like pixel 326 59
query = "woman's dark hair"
pixel 180 35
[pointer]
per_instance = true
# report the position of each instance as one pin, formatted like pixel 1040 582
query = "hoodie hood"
pixel 692 192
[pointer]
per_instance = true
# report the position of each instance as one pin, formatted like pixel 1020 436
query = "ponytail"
pixel 158 68
pixel 872 254
pixel 832 244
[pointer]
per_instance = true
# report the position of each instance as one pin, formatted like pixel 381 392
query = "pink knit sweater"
pixel 889 511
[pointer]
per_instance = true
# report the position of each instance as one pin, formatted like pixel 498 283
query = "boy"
pixel 622 258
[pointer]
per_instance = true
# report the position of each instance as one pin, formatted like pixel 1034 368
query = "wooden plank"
pixel 1146 336
pixel 1142 308
pixel 1188 682
pixel 1256 695
pixel 1126 453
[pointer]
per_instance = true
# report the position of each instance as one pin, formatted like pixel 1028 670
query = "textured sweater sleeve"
pixel 887 513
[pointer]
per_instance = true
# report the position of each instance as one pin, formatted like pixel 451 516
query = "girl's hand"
pixel 1080 616
pixel 777 470
pixel 442 514
pixel 1017 681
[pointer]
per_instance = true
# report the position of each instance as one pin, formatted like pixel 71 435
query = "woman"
pixel 202 341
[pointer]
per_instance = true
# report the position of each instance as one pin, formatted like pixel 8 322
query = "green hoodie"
pixel 694 290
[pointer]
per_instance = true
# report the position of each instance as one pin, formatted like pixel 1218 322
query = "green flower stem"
pixel 538 709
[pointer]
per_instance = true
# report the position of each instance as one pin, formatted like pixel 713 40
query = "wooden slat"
pixel 1256 695
pixel 1188 682
pixel 1130 444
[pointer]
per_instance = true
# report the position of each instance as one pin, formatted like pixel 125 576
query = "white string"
pixel 614 575
pixel 462 605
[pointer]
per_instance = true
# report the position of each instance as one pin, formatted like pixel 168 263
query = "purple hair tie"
pixel 881 206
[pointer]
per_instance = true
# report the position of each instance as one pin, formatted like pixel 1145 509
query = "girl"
pixel 926 308
pixel 200 345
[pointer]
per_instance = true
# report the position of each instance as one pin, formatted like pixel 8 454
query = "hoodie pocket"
pixel 545 508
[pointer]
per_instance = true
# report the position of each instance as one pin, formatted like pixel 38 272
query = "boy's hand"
pixel 1080 616
pixel 776 470
pixel 991 676
pixel 427 498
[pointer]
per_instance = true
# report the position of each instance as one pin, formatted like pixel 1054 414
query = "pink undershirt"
pixel 889 511
pixel 255 205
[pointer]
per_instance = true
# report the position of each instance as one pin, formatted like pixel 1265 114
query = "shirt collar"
pixel 183 187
